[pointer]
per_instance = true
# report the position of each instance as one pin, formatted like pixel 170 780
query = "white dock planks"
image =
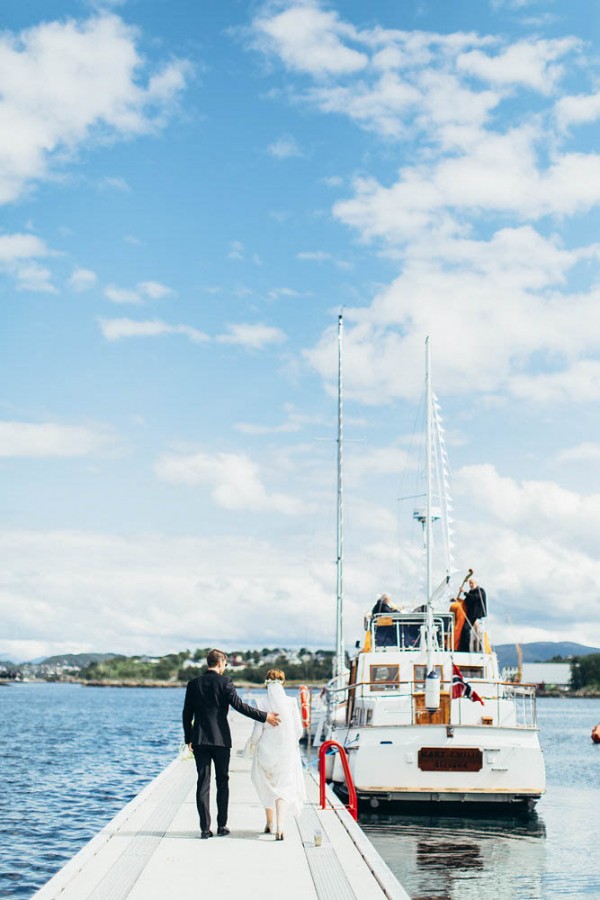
pixel 152 849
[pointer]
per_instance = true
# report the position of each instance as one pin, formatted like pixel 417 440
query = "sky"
pixel 190 193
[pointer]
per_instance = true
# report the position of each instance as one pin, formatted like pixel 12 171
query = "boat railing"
pixel 505 704
pixel 406 630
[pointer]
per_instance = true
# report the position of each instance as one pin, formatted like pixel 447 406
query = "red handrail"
pixel 352 805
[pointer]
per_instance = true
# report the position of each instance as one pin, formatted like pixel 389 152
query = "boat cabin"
pixel 387 682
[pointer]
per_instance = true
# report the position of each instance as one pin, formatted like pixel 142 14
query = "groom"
pixel 207 701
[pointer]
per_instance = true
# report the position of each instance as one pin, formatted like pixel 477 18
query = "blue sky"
pixel 190 193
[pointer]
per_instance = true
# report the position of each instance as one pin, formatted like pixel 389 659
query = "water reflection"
pixel 459 858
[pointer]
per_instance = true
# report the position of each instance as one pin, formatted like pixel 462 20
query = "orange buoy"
pixel 596 734
pixel 304 697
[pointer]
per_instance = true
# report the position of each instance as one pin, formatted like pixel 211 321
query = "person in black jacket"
pixel 385 635
pixel 206 730
pixel 475 608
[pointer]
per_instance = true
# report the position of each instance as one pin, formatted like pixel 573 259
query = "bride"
pixel 277 768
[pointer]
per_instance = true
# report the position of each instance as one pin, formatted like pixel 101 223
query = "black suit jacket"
pixel 207 701
pixel 476 603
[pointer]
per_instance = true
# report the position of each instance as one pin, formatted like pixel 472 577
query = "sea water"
pixel 553 852
pixel 72 757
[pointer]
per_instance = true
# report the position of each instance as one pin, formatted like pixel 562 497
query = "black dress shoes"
pixel 222 829
pixel 205 834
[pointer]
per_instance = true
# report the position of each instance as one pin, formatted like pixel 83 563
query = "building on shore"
pixel 544 675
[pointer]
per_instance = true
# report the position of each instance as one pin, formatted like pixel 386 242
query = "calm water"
pixel 73 756
pixel 554 853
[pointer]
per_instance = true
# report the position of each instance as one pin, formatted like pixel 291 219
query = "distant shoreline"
pixel 244 685
pixel 148 683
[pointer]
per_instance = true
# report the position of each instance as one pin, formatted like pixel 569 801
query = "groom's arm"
pixel 259 715
pixel 188 715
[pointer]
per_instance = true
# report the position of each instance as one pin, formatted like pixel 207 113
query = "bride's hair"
pixel 275 675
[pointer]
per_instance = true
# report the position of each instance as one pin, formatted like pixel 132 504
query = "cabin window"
pixel 421 673
pixel 385 678
pixel 469 672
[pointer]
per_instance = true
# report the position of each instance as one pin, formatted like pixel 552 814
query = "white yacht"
pixel 421 721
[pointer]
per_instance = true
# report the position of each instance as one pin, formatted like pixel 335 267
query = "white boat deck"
pixel 152 849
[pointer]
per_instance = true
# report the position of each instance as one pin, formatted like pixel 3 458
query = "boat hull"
pixel 439 764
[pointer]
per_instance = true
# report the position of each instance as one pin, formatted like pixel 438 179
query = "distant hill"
pixel 81 660
pixel 6 664
pixel 541 651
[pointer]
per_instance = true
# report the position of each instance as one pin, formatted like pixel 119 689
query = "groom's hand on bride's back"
pixel 273 719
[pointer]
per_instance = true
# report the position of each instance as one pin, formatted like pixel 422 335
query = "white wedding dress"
pixel 277 767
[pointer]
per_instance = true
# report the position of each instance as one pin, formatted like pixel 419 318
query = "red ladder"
pixel 352 805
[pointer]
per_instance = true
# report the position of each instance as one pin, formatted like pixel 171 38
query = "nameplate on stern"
pixel 450 759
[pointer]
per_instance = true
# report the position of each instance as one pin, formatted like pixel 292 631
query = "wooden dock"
pixel 152 849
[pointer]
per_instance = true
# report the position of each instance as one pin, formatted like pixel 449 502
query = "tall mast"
pixel 428 445
pixel 340 661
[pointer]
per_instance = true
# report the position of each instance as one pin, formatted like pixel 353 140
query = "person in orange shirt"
pixel 458 607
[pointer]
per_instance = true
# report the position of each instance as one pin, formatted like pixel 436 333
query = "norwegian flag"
pixel 462 688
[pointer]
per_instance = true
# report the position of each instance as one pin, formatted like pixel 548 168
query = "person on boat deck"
pixel 384 605
pixel 475 604
pixel 385 635
pixel 457 608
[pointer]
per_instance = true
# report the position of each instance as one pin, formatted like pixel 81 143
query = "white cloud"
pixel 236 251
pixel 514 4
pixel 117 329
pixel 234 479
pixel 36 278
pixel 144 290
pixel 497 300
pixel 154 290
pixel 580 453
pixel 528 63
pixel 15 247
pixel 314 255
pixel 380 107
pixel 19 254
pixel 295 421
pixel 65 83
pixel 534 541
pixel 285 147
pixel 394 82
pixel 309 39
pixel 554 511
pixel 49 439
pixel 363 464
pixel 417 82
pixel 253 337
pixel 82 280
pixel 500 173
pixel 286 293
pixel 579 382
pixel 116 182
pixel 320 256
pixel 577 110
pixel 121 295
pixel 157 594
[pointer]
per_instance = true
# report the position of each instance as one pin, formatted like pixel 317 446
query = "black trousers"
pixel 204 755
